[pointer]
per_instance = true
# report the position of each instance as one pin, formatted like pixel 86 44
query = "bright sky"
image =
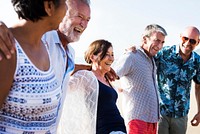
pixel 123 21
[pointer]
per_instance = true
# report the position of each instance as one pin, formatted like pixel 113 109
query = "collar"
pixel 142 50
pixel 178 50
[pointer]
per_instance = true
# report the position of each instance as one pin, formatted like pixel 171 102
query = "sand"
pixel 193 110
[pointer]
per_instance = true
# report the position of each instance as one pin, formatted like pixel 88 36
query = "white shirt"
pixel 60 57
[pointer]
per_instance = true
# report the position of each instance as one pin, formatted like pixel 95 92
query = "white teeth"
pixel 187 47
pixel 108 64
pixel 78 29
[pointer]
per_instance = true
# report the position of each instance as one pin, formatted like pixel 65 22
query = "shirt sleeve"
pixel 123 65
pixel 80 104
pixel 196 78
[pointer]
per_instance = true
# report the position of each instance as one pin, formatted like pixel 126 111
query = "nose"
pixel 84 23
pixel 187 42
pixel 111 57
pixel 160 45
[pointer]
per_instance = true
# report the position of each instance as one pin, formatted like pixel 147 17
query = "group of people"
pixel 38 95
pixel 168 70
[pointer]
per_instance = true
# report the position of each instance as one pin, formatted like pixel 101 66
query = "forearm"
pixel 7 70
pixel 81 67
pixel 197 94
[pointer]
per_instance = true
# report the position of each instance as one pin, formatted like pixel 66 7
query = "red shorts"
pixel 141 127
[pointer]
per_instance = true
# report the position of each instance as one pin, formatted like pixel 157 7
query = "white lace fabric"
pixel 80 105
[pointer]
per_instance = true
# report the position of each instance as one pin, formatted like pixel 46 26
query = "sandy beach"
pixel 193 111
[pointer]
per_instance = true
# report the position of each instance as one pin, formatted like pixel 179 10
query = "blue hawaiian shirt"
pixel 174 80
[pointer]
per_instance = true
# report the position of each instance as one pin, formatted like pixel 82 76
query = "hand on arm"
pixel 7 46
pixel 111 75
pixel 196 120
pixel 117 85
pixel 131 49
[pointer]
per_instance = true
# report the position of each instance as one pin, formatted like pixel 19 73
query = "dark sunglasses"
pixel 192 41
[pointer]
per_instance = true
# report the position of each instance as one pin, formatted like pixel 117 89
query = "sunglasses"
pixel 192 41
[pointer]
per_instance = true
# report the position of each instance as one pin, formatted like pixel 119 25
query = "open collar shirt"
pixel 174 80
pixel 63 62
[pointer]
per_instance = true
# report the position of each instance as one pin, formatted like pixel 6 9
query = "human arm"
pixel 111 75
pixel 7 47
pixel 80 103
pixel 124 67
pixel 124 64
pixel 196 119
pixel 117 85
pixel 7 69
pixel 81 67
pixel 131 49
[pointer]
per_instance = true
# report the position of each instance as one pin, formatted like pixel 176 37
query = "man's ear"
pixel 144 40
pixel 49 7
pixel 198 42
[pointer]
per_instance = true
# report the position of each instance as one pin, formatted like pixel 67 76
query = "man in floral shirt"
pixel 177 65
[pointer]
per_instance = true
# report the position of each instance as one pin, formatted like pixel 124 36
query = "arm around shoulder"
pixel 81 67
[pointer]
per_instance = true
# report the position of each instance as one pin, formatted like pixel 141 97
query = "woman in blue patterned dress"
pixel 30 93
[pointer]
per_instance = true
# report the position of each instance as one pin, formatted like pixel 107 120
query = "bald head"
pixel 191 32
pixel 189 40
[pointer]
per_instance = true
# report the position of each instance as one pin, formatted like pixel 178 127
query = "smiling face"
pixel 153 43
pixel 75 21
pixel 100 55
pixel 105 64
pixel 189 40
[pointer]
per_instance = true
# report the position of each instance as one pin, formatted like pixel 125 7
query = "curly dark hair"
pixel 31 9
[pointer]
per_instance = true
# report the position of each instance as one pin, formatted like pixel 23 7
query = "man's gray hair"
pixel 87 2
pixel 154 28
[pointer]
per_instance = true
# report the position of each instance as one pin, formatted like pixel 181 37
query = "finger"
pixel 12 43
pixel 194 122
pixel 4 50
pixel 7 40
pixel 120 89
pixel 109 76
pixel 73 73
pixel 117 77
pixel 1 56
pixel 112 76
